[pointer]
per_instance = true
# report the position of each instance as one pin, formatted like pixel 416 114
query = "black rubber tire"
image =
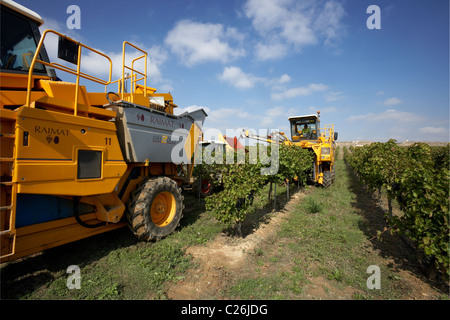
pixel 139 209
pixel 327 179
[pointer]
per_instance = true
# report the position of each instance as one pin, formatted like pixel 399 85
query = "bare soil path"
pixel 224 261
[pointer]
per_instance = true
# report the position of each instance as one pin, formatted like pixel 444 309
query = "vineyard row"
pixel 417 177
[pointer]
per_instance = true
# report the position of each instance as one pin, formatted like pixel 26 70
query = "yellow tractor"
pixel 76 163
pixel 306 133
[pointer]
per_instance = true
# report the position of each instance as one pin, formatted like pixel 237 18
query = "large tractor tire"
pixel 327 178
pixel 155 209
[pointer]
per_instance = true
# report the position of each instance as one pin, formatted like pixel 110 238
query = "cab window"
pixel 298 129
pixel 18 44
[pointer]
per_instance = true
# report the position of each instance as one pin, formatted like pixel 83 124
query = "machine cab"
pixel 19 35
pixel 305 127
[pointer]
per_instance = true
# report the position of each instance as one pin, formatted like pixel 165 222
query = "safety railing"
pixel 136 75
pixel 327 133
pixel 77 72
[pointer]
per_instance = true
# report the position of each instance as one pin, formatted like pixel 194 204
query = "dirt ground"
pixel 416 280
pixel 220 261
pixel 226 259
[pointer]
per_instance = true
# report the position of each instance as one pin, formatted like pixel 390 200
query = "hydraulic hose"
pixel 109 99
pixel 76 214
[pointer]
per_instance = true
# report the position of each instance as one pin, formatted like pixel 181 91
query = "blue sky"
pixel 254 63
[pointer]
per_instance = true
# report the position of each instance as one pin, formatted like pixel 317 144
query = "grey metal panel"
pixel 198 115
pixel 146 134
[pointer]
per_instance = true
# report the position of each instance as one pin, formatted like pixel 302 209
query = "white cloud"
pixel 277 82
pixel 399 125
pixel 392 102
pixel 286 25
pixel 270 51
pixel 389 116
pixel 328 23
pixel 98 66
pixel 433 130
pixel 271 114
pixel 280 16
pixel 293 112
pixel 237 78
pixel 299 91
pixel 334 96
pixel 51 40
pixel 266 121
pixel 218 119
pixel 232 118
pixel 225 115
pixel 196 42
pixel 276 112
pixel 284 78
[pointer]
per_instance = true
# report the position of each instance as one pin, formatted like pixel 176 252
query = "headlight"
pixel 325 150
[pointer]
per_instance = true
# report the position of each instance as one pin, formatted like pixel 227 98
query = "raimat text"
pixel 51 131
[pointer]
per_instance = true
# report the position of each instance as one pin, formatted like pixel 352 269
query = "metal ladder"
pixel 8 186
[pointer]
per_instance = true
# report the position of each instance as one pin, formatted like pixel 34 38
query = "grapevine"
pixel 242 181
pixel 417 177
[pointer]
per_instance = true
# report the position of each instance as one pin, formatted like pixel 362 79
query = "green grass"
pixel 325 237
pixel 114 265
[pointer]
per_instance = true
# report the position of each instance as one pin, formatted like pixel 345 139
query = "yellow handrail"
pixel 328 132
pixel 77 72
pixel 134 78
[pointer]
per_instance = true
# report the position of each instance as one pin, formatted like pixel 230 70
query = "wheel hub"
pixel 163 209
